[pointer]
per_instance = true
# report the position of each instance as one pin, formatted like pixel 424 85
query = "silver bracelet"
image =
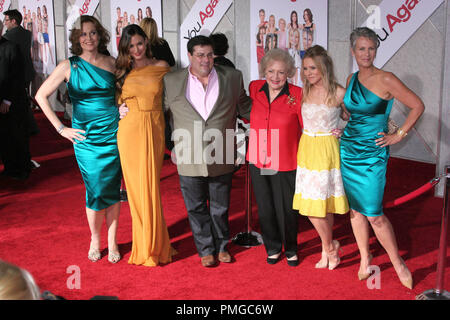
pixel 61 128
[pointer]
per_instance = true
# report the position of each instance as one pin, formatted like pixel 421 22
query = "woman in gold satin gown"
pixel 141 145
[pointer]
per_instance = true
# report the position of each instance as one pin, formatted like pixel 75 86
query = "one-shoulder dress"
pixel 363 163
pixel 141 145
pixel 92 92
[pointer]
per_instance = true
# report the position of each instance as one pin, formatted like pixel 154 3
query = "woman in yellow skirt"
pixel 319 191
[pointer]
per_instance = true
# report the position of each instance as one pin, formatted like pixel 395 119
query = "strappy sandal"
pixel 94 255
pixel 114 257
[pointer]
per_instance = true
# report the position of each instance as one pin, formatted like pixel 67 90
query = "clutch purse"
pixel 392 126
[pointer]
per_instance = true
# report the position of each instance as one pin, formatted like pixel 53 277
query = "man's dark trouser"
pixel 209 225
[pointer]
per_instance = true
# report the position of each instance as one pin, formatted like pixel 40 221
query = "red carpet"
pixel 43 228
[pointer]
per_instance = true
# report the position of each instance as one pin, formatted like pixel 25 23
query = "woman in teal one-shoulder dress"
pixel 365 148
pixel 91 85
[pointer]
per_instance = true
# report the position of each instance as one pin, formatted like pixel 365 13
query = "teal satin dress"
pixel 92 92
pixel 363 163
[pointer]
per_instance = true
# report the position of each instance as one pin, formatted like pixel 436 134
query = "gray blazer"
pixel 203 148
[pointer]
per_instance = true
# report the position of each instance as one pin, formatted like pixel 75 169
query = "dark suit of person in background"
pixel 160 50
pixel 22 37
pixel 220 47
pixel 14 137
pixel 159 47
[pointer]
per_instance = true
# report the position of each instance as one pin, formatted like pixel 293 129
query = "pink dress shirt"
pixel 203 100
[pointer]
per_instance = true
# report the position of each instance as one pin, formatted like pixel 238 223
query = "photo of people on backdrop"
pixel 124 13
pixel 4 6
pixel 39 20
pixel 293 26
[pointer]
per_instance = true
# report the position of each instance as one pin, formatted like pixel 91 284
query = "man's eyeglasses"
pixel 202 55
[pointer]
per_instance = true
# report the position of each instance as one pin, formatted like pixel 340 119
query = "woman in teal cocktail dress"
pixel 91 85
pixel 365 148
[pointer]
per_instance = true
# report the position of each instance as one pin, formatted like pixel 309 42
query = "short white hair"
pixel 277 55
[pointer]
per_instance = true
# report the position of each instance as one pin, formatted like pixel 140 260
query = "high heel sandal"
pixel 408 282
pixel 94 255
pixel 114 257
pixel 365 275
pixel 323 262
pixel 337 248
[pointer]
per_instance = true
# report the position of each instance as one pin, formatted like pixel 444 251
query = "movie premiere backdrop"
pixel 202 19
pixel 4 6
pixel 39 19
pixel 395 21
pixel 74 11
pixel 290 25
pixel 128 12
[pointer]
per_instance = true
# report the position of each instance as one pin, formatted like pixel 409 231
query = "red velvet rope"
pixel 413 194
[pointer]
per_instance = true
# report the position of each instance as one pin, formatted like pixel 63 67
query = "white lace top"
pixel 319 117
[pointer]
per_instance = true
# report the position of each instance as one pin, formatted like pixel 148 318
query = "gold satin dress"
pixel 141 147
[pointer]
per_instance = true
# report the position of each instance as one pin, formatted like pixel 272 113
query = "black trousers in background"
pixel 274 194
pixel 209 225
pixel 33 128
pixel 14 144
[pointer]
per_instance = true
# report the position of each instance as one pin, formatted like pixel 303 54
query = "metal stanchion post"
pixel 249 238
pixel 439 292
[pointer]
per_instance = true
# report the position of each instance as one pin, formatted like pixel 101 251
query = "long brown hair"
pixel 324 64
pixel 124 62
pixel 75 34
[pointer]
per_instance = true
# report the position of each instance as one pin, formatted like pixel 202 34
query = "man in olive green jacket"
pixel 202 102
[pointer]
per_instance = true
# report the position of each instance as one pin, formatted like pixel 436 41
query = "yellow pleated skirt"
pixel 318 187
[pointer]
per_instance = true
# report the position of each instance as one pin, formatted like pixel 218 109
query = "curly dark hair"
pixel 103 34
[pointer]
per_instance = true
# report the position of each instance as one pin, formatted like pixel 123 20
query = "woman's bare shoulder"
pixel 340 92
pixel 109 63
pixel 349 78
pixel 160 63
pixel 64 64
pixel 63 68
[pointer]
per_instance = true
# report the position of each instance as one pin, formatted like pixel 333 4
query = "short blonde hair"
pixel 277 55
pixel 16 283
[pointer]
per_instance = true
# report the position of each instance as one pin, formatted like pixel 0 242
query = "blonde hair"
pixel 151 30
pixel 324 64
pixel 292 31
pixel 16 283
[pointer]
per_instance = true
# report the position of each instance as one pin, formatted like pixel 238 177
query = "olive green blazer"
pixel 205 148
